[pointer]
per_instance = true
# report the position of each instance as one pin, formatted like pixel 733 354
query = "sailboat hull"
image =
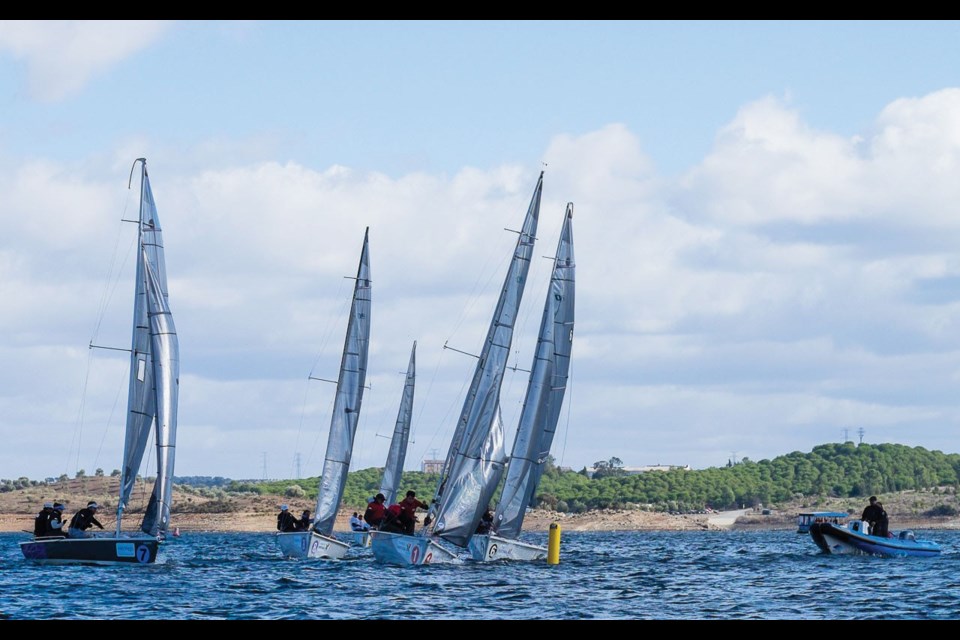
pixel 360 538
pixel 310 544
pixel 102 551
pixel 489 548
pixel 404 550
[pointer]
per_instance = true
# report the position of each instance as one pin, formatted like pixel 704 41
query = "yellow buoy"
pixel 553 544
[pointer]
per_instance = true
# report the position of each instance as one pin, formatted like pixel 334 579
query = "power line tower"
pixel 264 471
pixel 846 435
pixel 296 459
pixel 860 432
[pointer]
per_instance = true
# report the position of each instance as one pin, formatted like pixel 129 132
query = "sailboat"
pixel 319 542
pixel 475 461
pixel 539 416
pixel 151 409
pixel 397 454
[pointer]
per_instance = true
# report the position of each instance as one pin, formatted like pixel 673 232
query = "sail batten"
pixel 475 460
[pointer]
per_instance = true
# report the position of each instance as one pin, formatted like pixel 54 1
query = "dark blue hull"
pixel 850 539
pixel 91 550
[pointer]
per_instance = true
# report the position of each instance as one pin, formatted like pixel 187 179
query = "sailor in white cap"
pixel 41 524
pixel 285 520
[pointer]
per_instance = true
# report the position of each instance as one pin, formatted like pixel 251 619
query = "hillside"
pixel 198 510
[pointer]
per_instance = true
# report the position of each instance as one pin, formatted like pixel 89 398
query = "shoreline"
pixel 536 521
pixel 215 512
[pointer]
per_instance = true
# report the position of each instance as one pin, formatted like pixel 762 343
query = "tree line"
pixel 846 470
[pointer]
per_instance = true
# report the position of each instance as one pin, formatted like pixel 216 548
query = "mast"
pixel 393 470
pixel 346 408
pixel 141 398
pixel 476 457
pixel 545 390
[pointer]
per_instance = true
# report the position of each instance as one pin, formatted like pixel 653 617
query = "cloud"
pixel 769 300
pixel 63 55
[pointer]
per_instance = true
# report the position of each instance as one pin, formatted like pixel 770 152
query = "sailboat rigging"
pixel 475 460
pixel 540 414
pixel 152 402
pixel 319 541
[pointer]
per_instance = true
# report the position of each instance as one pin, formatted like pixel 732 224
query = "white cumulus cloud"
pixel 63 55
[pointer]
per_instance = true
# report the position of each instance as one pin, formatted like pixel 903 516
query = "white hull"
pixel 840 547
pixel 360 538
pixel 400 549
pixel 310 544
pixel 488 548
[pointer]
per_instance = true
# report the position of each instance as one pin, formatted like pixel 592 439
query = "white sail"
pixel 545 391
pixel 141 395
pixel 475 460
pixel 396 456
pixel 165 347
pixel 349 395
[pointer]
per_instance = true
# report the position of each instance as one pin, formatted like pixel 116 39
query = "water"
pixel 602 575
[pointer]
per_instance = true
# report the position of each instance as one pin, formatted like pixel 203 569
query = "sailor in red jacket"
pixel 408 511
pixel 376 511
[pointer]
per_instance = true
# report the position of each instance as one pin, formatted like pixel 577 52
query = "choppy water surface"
pixel 602 575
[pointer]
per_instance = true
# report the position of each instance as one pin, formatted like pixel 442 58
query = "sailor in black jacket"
pixel 83 520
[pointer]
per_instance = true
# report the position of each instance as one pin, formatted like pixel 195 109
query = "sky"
pixel 766 230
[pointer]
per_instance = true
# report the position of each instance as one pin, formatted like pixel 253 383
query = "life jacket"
pixel 409 507
pixel 375 513
pixel 41 524
pixel 286 521
pixel 82 520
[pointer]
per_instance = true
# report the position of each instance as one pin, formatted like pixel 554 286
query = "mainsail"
pixel 346 407
pixel 392 472
pixel 474 463
pixel 145 390
pixel 545 391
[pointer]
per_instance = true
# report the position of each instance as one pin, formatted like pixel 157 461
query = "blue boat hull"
pixel 851 539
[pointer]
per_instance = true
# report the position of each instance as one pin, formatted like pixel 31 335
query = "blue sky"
pixel 766 230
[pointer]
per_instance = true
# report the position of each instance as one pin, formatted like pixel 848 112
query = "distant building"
pixel 633 471
pixel 431 466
